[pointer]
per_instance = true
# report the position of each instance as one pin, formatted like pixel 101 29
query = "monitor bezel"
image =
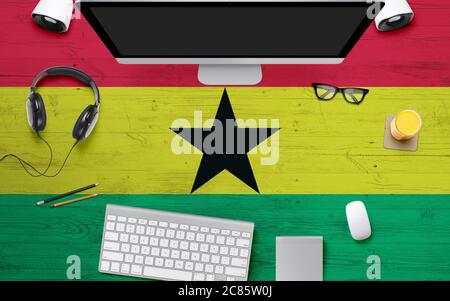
pixel 85 6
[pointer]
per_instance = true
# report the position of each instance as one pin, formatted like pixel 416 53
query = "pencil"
pixel 66 194
pixel 74 200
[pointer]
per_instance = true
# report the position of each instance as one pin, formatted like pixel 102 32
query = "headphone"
pixel 37 117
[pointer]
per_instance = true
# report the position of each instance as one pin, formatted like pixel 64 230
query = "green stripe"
pixel 411 233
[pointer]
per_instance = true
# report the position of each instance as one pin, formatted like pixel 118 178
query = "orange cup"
pixel 406 124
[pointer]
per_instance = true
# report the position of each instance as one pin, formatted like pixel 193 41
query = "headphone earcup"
pixel 36 115
pixel 85 123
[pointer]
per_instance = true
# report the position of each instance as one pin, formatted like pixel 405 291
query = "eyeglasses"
pixel 328 92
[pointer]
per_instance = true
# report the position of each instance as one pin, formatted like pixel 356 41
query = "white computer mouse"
pixel 358 220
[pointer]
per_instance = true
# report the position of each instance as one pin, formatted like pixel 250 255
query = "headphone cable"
pixel 24 163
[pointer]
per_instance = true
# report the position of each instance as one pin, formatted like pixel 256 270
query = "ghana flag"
pixel 301 162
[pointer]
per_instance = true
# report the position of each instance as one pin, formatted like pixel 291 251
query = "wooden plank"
pixel 411 233
pixel 325 147
pixel 416 55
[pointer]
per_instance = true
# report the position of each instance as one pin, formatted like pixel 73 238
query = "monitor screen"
pixel 228 29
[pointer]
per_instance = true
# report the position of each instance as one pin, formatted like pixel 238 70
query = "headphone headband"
pixel 67 71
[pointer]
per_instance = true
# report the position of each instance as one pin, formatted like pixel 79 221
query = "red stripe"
pixel 418 55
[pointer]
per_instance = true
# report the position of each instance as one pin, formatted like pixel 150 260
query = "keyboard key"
pixel 245 234
pixel 214 249
pixel 234 252
pixel 184 227
pixel 125 248
pixel 132 220
pixel 225 232
pixel 111 217
pixel 220 240
pixel 163 224
pixel 111 236
pixel 215 231
pixel 190 236
pixel 170 233
pixel 235 233
pixel 242 242
pixel 104 266
pixel 200 237
pixel 142 221
pixel 174 244
pixel 150 231
pixel 155 251
pixel 180 234
pixel 230 241
pixel 203 248
pixel 125 268
pixel 111 246
pixel 108 255
pixel 123 237
pixel 215 259
pixel 185 255
pixel 110 226
pixel 143 240
pixel 136 269
pixel 199 277
pixel 129 258
pixel 173 225
pixel 179 264
pixel 193 246
pixel 209 277
pixel 152 223
pixel 205 258
pixel 223 250
pixel 160 232
pixel 139 259
pixel 135 249
pixel 184 245
pixel 210 238
pixel 154 241
pixel 120 227
pixel 209 268
pixel 168 263
pixel 230 279
pixel 134 239
pixel 204 229
pixel 140 230
pixel 167 273
pixel 218 269
pixel 225 260
pixel 243 253
pixel 159 262
pixel 130 228
pixel 149 260
pixel 175 254
pixel 165 253
pixel 239 262
pixel 193 228
pixel 121 218
pixel 164 242
pixel 199 267
pixel 238 272
pixel 145 250
pixel 189 266
pixel 195 256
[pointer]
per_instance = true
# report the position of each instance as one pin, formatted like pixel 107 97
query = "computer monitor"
pixel 230 39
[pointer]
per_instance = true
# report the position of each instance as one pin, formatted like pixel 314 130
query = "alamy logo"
pixel 374 270
pixel 73 271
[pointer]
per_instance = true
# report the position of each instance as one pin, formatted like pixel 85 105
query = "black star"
pixel 225 146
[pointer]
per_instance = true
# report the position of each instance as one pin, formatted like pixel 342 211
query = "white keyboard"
pixel 173 246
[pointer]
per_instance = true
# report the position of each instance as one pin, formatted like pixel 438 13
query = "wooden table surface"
pixel 330 153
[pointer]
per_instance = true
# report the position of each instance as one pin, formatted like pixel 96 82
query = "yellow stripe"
pixel 325 147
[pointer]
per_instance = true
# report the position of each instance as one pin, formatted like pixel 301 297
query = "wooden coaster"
pixel 391 143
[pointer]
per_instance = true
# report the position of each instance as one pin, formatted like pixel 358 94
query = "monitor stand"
pixel 229 75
